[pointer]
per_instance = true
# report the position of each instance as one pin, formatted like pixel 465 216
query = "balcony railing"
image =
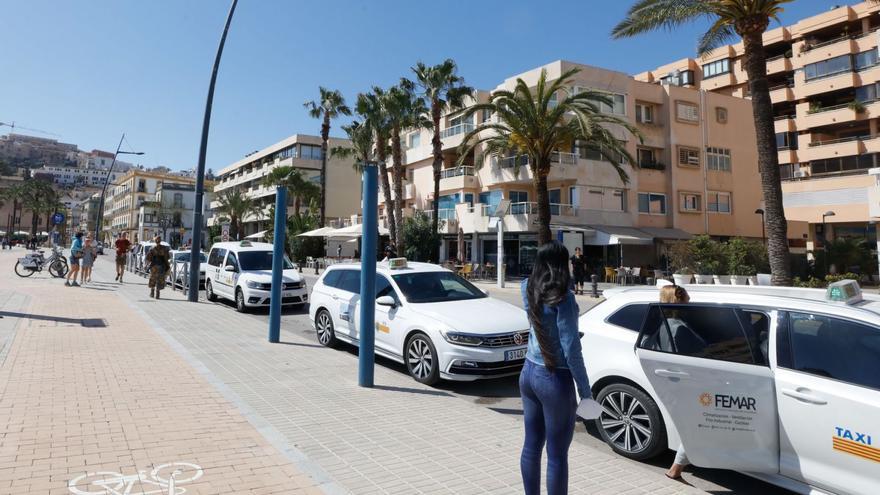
pixel 563 158
pixel 456 129
pixel 524 208
pixel 820 109
pixel 456 172
pixel 832 41
pixel 841 140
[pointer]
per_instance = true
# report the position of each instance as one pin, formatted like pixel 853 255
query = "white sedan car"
pixel 180 266
pixel 435 322
pixel 781 384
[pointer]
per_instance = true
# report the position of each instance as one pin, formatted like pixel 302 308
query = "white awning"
pixel 353 231
pixel 322 232
pixel 667 234
pixel 258 235
pixel 571 228
pixel 609 236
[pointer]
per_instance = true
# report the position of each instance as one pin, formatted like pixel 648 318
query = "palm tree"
pixel 330 105
pixel 530 124
pixel 35 195
pixel 16 194
pixel 749 19
pixel 405 110
pixel 444 91
pixel 236 206
pixel 298 186
pixel 361 150
pixel 370 108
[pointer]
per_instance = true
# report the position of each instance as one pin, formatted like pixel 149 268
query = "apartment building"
pixel 302 152
pixel 124 199
pixel 169 213
pixel 695 173
pixel 824 75
pixel 77 176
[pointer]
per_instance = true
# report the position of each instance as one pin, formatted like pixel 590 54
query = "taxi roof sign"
pixel 397 263
pixel 844 291
pixel 245 244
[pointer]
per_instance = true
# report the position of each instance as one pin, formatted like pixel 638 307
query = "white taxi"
pixel 782 384
pixel 242 272
pixel 438 324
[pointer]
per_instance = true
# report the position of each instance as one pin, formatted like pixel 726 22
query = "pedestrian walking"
pixel 75 255
pixel 159 261
pixel 578 270
pixel 554 368
pixel 675 294
pixel 90 252
pixel 123 245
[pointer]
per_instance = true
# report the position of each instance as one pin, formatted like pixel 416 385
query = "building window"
pixel 644 113
pixel 678 78
pixel 553 101
pixel 485 115
pixel 415 140
pixel 310 152
pixel 652 203
pixel 719 202
pixel 718 159
pixel 830 67
pixel 647 158
pixel 593 153
pixel 687 112
pixel 721 115
pixel 616 104
pixel 688 156
pixel 689 202
pixel 867 93
pixel 786 140
pixel 178 200
pixel 716 68
pixel 865 60
pixel 289 152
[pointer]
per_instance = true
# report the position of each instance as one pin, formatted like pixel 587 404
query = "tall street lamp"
pixel 760 211
pixel 825 237
pixel 195 251
pixel 107 181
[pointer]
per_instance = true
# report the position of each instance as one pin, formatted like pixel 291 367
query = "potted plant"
pixel 706 272
pixel 681 258
pixel 706 257
pixel 738 253
pixel 857 106
pixel 683 276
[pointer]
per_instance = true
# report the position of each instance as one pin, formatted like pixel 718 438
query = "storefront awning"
pixel 571 228
pixel 352 231
pixel 667 234
pixel 608 236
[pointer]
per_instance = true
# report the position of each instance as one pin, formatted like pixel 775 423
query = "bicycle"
pixel 163 480
pixel 35 262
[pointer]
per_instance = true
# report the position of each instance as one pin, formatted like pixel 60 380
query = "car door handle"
pixel 804 397
pixel 671 374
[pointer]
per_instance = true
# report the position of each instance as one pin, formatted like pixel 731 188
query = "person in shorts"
pixel 90 252
pixel 123 245
pixel 76 253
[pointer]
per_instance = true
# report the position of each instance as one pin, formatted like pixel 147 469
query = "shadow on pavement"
pixel 86 322
pixel 297 344
pixel 412 390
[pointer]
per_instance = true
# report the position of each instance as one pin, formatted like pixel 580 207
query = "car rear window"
pixel 331 279
pixel 630 316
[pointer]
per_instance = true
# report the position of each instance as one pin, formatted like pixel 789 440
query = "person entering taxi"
pixel 675 294
pixel 553 369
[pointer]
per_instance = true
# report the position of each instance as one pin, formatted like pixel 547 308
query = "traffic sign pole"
pixel 277 264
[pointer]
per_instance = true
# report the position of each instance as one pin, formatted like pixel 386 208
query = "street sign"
pixel 224 235
pixel 58 218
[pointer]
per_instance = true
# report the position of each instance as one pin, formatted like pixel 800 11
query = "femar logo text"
pixel 726 401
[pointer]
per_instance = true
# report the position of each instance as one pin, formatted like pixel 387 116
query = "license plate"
pixel 515 354
pixel 289 294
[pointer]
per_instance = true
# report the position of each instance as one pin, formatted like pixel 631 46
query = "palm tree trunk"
pixel 325 138
pixel 437 164
pixel 397 177
pixel 768 160
pixel 386 189
pixel 543 200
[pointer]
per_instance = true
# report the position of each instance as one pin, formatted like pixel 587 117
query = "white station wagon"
pixel 435 322
pixel 781 384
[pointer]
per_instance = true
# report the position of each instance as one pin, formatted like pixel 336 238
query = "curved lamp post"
pixel 760 211
pixel 98 220
pixel 825 237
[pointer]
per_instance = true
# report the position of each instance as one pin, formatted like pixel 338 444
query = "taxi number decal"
pixel 855 443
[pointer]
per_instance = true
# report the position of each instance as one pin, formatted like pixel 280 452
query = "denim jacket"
pixel 561 322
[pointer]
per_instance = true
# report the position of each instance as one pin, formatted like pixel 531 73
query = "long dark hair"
pixel 548 285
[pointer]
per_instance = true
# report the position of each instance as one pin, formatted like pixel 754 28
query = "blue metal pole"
pixel 367 323
pixel 277 264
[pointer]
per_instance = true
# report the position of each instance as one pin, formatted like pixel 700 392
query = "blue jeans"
pixel 549 405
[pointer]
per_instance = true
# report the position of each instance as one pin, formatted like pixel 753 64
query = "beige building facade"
pixel 302 152
pixel 824 74
pixel 695 172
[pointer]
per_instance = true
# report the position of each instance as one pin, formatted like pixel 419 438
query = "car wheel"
pixel 324 328
pixel 209 292
pixel 239 301
pixel 421 359
pixel 631 423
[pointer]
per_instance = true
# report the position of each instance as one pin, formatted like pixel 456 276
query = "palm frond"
pixel 651 15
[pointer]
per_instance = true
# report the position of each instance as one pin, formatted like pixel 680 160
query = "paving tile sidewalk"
pixel 400 437
pixel 117 399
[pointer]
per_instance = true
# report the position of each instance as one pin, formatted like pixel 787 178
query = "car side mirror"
pixel 229 268
pixel 386 301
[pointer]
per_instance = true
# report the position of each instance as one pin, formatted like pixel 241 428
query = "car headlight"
pixel 256 285
pixel 462 338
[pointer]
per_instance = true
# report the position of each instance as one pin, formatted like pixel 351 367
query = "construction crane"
pixel 13 126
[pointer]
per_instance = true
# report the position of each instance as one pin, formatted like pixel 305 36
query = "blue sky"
pixel 91 69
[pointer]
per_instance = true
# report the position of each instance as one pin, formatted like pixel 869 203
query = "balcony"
pixel 457 178
pixel 823 116
pixel 781 93
pixel 779 64
pixel 787 156
pixel 785 123
pixel 843 45
pixel 834 82
pixel 820 150
pixel 456 130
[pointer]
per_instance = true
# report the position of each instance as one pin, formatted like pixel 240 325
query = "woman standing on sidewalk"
pixel 90 252
pixel 554 366
pixel 75 256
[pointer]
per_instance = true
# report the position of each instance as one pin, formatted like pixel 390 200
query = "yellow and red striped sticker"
pixel 857 449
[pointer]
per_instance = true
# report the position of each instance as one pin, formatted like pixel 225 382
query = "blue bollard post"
pixel 367 323
pixel 277 264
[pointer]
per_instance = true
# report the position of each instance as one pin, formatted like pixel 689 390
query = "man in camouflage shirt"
pixel 159 261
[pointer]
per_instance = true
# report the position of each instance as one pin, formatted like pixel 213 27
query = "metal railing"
pixel 456 172
pixel 561 157
pixel 815 110
pixel 841 140
pixel 832 41
pixel 456 129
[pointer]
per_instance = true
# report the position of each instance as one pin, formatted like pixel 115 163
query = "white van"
pixel 242 272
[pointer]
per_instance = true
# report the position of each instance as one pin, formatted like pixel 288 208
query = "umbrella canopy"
pixel 2 232
pixel 258 235
pixel 353 231
pixel 21 232
pixel 44 233
pixel 322 232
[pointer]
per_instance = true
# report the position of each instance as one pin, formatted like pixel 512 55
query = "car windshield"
pixel 185 257
pixel 259 260
pixel 430 287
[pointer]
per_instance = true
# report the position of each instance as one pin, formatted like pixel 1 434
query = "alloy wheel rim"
pixel 420 360
pixel 208 290
pixel 239 299
pixel 324 328
pixel 626 422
